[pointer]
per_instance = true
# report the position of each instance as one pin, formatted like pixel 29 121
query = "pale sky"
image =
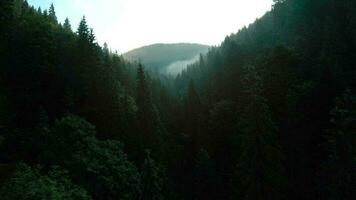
pixel 128 24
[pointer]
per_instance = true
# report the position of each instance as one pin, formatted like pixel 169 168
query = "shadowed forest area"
pixel 268 114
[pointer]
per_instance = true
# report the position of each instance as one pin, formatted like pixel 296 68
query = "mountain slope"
pixel 159 56
pixel 291 65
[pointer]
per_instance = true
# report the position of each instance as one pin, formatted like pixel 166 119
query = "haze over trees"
pixel 268 114
pixel 167 58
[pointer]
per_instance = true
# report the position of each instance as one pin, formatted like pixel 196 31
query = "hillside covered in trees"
pixel 164 58
pixel 268 114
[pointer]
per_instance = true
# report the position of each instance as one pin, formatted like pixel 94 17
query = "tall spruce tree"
pixel 259 168
pixel 145 111
pixel 67 25
pixel 144 102
pixel 153 179
pixel 193 110
pixel 338 171
pixel 52 14
pixel 83 29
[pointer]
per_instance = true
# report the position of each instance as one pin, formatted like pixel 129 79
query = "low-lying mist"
pixel 177 67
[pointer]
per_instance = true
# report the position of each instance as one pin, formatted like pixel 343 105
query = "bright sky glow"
pixel 128 24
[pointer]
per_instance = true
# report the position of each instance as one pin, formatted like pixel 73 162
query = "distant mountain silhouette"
pixel 167 58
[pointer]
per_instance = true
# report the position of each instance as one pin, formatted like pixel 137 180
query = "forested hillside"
pixel 159 57
pixel 268 114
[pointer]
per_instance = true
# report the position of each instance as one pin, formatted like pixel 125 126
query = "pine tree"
pixel 259 169
pixel 193 101
pixel 150 130
pixel 192 115
pixel 29 183
pixel 18 8
pixel 91 36
pixel 45 13
pixel 106 52
pixel 83 30
pixel 204 182
pixel 145 112
pixel 338 171
pixel 144 102
pixel 153 179
pixel 67 25
pixel 52 14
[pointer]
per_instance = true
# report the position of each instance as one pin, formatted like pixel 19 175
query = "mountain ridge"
pixel 159 56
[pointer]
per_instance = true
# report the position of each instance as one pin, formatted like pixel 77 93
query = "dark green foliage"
pixel 100 166
pixel 83 31
pixel 29 183
pixel 259 169
pixel 222 145
pixel 192 116
pixel 145 110
pixel 144 101
pixel 301 51
pixel 204 176
pixel 103 169
pixel 52 14
pixel 338 172
pixel 67 25
pixel 68 135
pixel 151 133
pixel 153 179
pixel 248 116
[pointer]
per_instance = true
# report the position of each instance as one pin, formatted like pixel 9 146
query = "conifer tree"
pixel 28 183
pixel 151 132
pixel 45 13
pixel 144 102
pixel 52 14
pixel 17 7
pixel 153 179
pixel 204 176
pixel 67 25
pixel 192 115
pixel 83 30
pixel 338 171
pixel 259 169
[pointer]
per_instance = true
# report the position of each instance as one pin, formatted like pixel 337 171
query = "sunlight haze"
pixel 129 24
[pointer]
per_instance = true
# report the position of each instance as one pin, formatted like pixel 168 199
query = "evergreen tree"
pixel 259 168
pixel 83 30
pixel 338 171
pixel 145 112
pixel 67 25
pixel 52 13
pixel 101 167
pixel 150 130
pixel 153 179
pixel 45 13
pixel 91 36
pixel 192 117
pixel 303 51
pixel 28 183
pixel 193 103
pixel 204 176
pixel 18 6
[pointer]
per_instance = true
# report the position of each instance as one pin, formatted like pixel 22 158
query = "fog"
pixel 176 67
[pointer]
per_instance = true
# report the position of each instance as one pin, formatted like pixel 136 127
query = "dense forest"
pixel 268 114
